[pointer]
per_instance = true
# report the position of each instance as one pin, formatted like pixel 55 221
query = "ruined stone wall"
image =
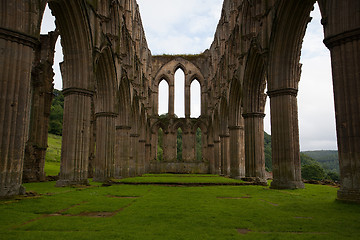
pixel 111 81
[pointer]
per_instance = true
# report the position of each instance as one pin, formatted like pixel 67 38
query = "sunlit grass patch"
pixel 163 212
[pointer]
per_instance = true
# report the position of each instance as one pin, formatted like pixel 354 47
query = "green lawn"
pixel 52 157
pixel 167 212
pixel 181 179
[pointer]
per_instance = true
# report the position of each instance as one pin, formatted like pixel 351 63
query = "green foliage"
pixel 179 145
pixel 198 145
pixel 320 164
pixel 56 113
pixel 165 212
pixel 328 159
pixel 52 157
pixel 267 150
pixel 334 176
pixel 160 152
pixel 306 160
pixel 312 172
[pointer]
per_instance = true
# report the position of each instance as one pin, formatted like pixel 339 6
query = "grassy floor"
pixel 163 212
pixel 52 158
pixel 180 178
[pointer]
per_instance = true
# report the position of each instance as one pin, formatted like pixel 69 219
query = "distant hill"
pixel 328 159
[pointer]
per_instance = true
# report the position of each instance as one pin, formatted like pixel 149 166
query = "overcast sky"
pixel 188 27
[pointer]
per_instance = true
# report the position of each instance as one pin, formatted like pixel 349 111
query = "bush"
pixel 334 176
pixel 312 172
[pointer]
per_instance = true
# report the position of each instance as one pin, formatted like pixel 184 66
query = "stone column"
pixel 42 88
pixel 237 152
pixel 92 144
pixel 225 154
pixel 254 146
pixel 187 101
pixel 105 145
pixel 122 151
pixel 76 137
pixel 148 155
pixel 345 60
pixel 171 99
pixel 16 58
pixel 169 147
pixel 285 139
pixel 133 161
pixel 188 143
pixel 141 155
pixel 217 156
pixel 210 157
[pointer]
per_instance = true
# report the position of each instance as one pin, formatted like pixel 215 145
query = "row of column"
pixel 226 153
pixel 240 154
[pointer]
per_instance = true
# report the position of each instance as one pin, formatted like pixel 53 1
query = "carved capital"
pixel 283 92
pixel 77 91
pixel 106 114
pixel 253 115
pixel 19 37
pixel 342 38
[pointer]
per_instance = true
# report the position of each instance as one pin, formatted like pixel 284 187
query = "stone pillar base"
pixel 349 195
pixel 276 184
pixel 67 183
pixel 12 190
pixel 257 180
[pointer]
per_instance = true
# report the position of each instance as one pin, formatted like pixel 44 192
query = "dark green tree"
pixel 56 113
pixel 334 176
pixel 312 172
pixel 160 152
pixel 179 146
pixel 267 150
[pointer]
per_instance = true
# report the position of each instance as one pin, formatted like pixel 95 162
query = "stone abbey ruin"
pixel 111 80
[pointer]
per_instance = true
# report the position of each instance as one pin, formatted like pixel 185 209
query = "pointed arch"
pixel 106 100
pixel 195 98
pixel 179 98
pixel 163 97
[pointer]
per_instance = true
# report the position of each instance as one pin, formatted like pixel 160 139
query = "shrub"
pixel 312 172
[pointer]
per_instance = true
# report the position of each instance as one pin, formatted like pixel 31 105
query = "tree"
pixel 267 150
pixel 160 152
pixel 312 172
pixel 56 113
pixel 334 176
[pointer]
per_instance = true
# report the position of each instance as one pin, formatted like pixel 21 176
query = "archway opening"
pixel 55 124
pixel 179 102
pixel 316 111
pixel 163 97
pixel 195 99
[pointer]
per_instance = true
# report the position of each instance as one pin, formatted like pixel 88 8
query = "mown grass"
pixel 164 212
pixel 180 178
pixel 52 157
